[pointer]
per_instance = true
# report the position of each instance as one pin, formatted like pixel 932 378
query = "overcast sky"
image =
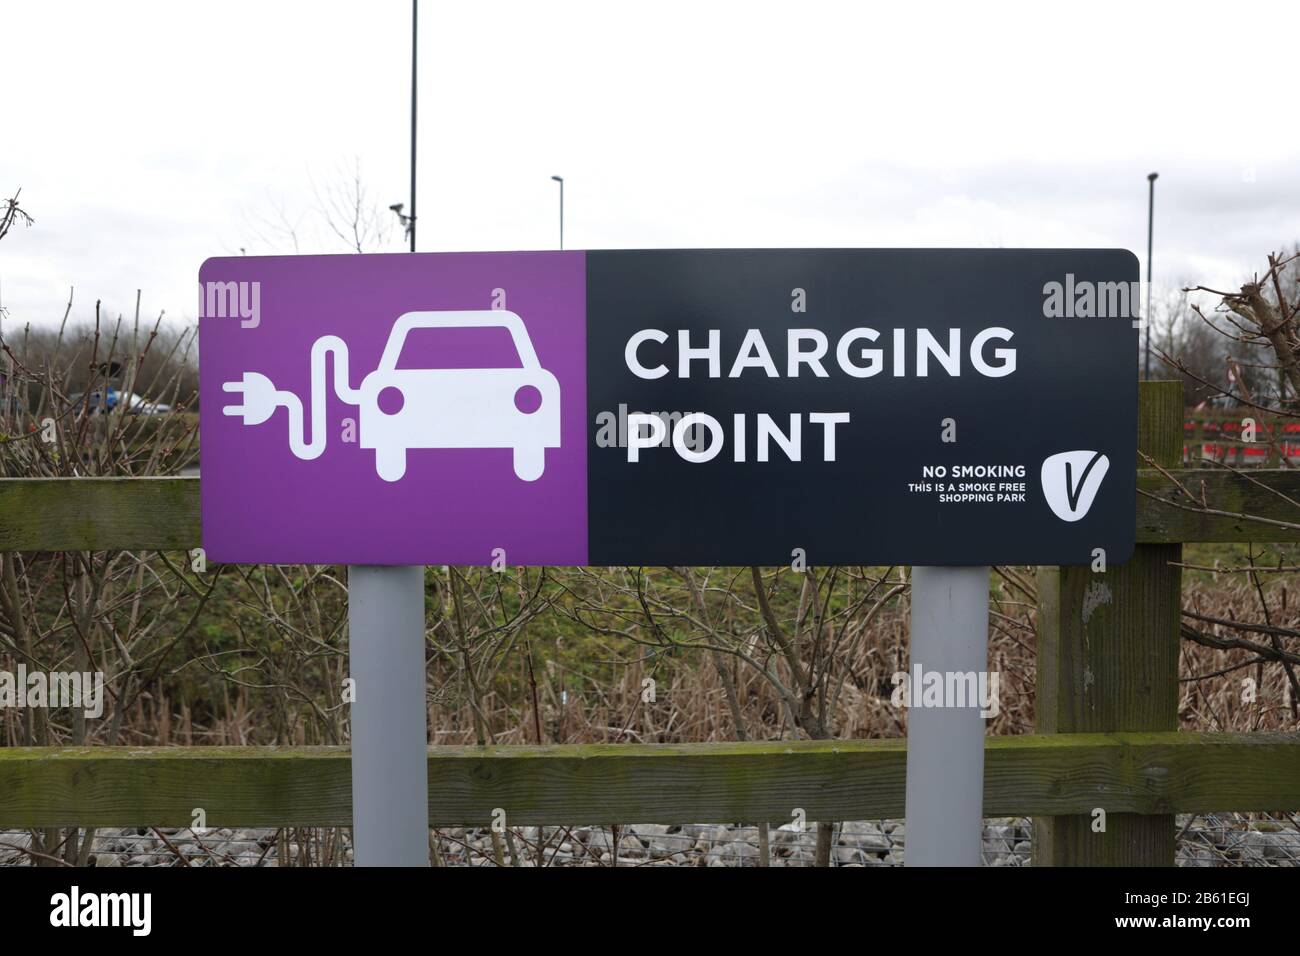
pixel 147 137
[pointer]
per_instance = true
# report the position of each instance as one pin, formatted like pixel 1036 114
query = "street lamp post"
pixel 1151 215
pixel 415 21
pixel 560 180
pixel 408 220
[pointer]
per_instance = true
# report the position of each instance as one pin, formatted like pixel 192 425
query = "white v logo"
pixel 1070 482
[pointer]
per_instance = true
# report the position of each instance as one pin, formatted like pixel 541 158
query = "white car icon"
pixel 516 408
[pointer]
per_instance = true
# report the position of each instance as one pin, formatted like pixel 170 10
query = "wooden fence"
pixel 1107 705
pixel 1223 437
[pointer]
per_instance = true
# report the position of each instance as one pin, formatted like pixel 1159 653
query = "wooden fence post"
pixel 1108 661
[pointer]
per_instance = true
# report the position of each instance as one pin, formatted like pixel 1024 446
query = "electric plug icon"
pixel 260 398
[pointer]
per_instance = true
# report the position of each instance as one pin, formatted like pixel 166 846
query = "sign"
pixel 673 407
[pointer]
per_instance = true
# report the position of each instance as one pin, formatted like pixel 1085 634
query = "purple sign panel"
pixel 394 409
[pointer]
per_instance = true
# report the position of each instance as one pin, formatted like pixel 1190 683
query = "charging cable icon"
pixel 402 408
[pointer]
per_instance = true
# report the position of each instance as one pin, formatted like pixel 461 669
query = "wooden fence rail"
pixel 1155 773
pixel 1106 702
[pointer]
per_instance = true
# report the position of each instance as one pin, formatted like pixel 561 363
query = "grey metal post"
pixel 390 776
pixel 945 745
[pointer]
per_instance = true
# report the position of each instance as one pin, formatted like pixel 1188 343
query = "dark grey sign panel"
pixel 860 406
